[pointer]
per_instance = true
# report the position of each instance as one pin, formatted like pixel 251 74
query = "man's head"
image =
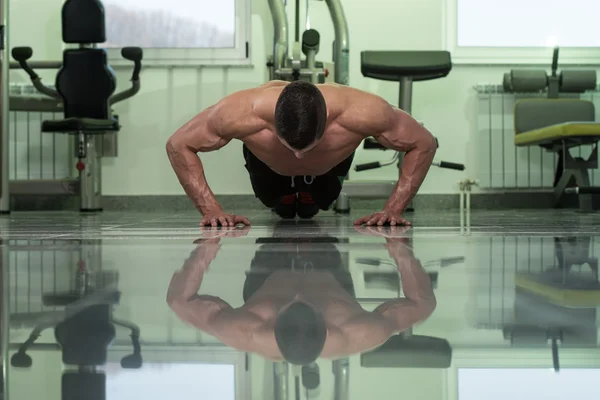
pixel 300 332
pixel 300 116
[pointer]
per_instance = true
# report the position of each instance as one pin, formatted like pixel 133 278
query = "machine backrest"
pixel 83 21
pixel 413 352
pixel 532 114
pixel 86 83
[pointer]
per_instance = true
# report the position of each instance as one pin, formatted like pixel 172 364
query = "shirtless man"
pixel 299 142
pixel 302 314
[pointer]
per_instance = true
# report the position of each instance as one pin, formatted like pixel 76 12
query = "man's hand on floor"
pixel 221 218
pixel 387 217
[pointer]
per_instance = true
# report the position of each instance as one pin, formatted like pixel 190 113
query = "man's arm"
pixel 405 134
pixel 419 302
pixel 371 115
pixel 210 130
pixel 208 313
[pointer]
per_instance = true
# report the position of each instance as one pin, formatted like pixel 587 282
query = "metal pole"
pixel 341 56
pixel 280 380
pixel 4 104
pixel 341 59
pixel 4 306
pixel 280 37
pixel 405 99
pixel 341 373
pixel 90 177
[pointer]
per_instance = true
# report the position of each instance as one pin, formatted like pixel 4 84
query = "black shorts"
pixel 270 187
pixel 321 256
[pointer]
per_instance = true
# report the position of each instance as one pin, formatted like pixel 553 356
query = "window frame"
pixel 508 55
pixel 206 354
pixel 238 55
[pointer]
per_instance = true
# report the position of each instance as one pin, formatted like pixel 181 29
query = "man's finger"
pixel 373 220
pixel 382 220
pixel 222 221
pixel 243 220
pixel 393 222
pixel 361 221
pixel 213 223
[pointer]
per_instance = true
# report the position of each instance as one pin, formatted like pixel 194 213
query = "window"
pixel 179 31
pixel 171 381
pixel 522 31
pixel 527 384
pixel 179 372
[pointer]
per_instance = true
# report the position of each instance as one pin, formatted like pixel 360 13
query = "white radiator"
pixel 502 165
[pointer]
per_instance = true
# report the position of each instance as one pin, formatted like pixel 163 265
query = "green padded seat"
pixel 575 133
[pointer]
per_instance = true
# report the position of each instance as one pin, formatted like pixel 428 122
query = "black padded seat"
pixel 393 65
pixel 85 125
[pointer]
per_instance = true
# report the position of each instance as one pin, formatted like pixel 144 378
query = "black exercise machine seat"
pixel 393 65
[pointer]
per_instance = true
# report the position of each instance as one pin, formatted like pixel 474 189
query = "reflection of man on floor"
pixel 299 301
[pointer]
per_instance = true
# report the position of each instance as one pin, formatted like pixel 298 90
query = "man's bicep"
pixel 404 313
pixel 366 332
pixel 200 134
pixel 201 311
pixel 402 132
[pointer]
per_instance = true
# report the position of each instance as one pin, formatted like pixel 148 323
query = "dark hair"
pixel 300 114
pixel 300 333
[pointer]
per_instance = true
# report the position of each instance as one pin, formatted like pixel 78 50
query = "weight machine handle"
pixel 449 165
pixel 368 166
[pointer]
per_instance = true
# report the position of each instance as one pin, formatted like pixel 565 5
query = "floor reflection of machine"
pixel 81 316
pixel 406 350
pixel 557 306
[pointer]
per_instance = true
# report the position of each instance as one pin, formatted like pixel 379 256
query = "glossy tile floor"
pixel 151 306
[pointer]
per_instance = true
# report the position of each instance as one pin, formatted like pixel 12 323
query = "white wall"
pixel 170 97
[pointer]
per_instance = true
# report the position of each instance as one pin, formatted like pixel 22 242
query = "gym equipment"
pixel 292 68
pixel 84 330
pixel 390 280
pixel 556 306
pixel 85 85
pixel 559 125
pixel 406 350
pixel 404 67
pixel 4 110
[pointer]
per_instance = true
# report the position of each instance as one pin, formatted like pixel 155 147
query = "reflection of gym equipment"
pixel 81 315
pixel 85 86
pixel 84 331
pixel 559 125
pixel 282 67
pixel 558 306
pixel 389 279
pixel 404 67
pixel 406 350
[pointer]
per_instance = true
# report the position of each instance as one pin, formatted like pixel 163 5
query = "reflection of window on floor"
pixel 160 24
pixel 171 381
pixel 527 384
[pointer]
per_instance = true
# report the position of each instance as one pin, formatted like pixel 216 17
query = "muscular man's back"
pixel 338 142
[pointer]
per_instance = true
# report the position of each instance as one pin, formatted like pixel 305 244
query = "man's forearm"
pixel 190 172
pixel 414 169
pixel 186 282
pixel 419 301
pixel 416 284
